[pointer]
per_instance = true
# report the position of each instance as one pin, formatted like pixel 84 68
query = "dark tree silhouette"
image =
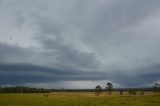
pixel 156 87
pixel 98 90
pixel 109 88
pixel 21 89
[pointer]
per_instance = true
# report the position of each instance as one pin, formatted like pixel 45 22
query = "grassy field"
pixel 79 99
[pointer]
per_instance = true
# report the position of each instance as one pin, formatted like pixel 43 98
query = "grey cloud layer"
pixel 27 73
pixel 82 39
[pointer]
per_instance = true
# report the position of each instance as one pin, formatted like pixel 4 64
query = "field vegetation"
pixel 79 99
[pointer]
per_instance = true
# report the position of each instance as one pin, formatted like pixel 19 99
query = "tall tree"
pixel 109 88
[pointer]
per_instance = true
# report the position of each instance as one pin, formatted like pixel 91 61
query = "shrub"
pixel 121 92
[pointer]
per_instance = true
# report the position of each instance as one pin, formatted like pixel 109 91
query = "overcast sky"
pixel 79 43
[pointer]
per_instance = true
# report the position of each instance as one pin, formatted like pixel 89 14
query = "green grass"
pixel 78 99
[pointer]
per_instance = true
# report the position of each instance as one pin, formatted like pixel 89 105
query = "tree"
pixel 109 88
pixel 98 90
pixel 156 87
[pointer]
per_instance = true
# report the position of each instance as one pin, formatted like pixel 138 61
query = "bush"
pixel 132 92
pixel 121 92
pixel 142 92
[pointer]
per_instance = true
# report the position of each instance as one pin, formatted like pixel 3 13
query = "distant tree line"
pixel 98 90
pixel 21 89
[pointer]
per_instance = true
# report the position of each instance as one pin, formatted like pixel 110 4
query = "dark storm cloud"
pixel 24 69
pixel 75 40
pixel 27 73
pixel 145 76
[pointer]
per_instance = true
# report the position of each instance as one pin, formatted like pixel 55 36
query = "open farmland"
pixel 78 99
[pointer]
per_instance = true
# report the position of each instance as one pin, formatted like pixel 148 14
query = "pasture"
pixel 78 99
